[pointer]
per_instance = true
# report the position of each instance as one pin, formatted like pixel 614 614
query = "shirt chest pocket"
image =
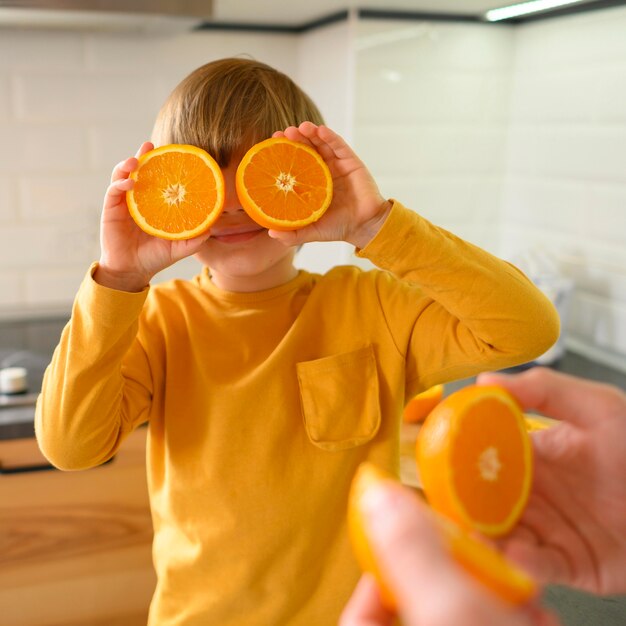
pixel 340 400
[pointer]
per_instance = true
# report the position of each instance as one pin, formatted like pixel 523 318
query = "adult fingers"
pixel 410 552
pixel 365 607
pixel 554 394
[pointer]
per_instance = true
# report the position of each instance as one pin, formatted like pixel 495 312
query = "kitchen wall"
pixel 565 189
pixel 431 118
pixel 71 106
pixel 514 138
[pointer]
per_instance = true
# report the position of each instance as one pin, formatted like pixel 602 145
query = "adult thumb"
pixel 409 549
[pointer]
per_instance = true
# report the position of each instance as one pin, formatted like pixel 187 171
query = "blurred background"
pixel 510 133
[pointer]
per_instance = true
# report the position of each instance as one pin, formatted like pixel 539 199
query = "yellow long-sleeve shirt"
pixel 261 406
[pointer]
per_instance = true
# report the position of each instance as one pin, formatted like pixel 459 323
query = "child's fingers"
pixel 123 169
pixel 294 134
pixel 117 192
pixel 311 132
pixel 146 146
pixel 336 143
pixel 297 237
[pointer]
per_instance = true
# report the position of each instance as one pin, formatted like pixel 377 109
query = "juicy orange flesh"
pixel 488 461
pixel 175 173
pixel 285 182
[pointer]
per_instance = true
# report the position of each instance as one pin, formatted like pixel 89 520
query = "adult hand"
pixel 573 531
pixel 129 257
pixel 357 210
pixel 429 587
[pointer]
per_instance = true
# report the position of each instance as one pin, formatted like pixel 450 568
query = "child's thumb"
pixel 296 237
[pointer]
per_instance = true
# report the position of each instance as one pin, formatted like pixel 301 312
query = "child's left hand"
pixel 357 210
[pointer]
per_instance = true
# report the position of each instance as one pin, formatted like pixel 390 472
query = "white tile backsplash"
pixel 587 39
pixel 47 288
pixel 64 197
pixel 111 143
pixel 25 50
pixel 566 167
pixel 72 105
pixel 8 200
pixel 47 148
pixel 79 97
pixel 512 137
pixel 601 324
pixel 11 290
pixel 5 99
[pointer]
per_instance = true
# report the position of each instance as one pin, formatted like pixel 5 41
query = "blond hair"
pixel 227 105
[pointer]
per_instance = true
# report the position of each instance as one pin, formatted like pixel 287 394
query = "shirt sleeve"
pixel 98 386
pixel 456 310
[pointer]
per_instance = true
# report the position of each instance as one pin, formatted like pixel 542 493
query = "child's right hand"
pixel 129 257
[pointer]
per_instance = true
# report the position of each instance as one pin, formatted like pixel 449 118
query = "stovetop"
pixel 25 343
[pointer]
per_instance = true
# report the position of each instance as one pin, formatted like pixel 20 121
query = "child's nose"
pixel 231 203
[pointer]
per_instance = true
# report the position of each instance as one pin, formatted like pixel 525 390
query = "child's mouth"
pixel 238 237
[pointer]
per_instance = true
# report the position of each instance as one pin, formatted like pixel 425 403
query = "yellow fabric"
pixel 261 406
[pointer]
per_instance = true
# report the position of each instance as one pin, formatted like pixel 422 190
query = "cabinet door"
pixel 75 547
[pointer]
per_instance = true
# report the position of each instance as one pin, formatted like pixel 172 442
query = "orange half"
pixel 178 192
pixel 474 459
pixel 283 184
pixel 481 561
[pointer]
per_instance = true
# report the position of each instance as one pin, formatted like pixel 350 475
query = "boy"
pixel 265 387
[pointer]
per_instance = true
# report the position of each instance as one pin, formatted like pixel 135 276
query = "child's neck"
pixel 274 276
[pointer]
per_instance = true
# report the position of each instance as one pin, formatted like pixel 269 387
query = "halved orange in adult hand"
pixel 474 459
pixel 178 192
pixel 480 560
pixel 420 405
pixel 283 184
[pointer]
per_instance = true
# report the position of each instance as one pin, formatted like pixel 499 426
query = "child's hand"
pixel 357 210
pixel 129 257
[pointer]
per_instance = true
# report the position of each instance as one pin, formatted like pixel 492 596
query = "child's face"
pixel 240 253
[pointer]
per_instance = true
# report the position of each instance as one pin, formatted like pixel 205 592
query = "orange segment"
pixel 367 474
pixel 474 459
pixel 488 566
pixel 485 564
pixel 178 192
pixel 283 184
pixel 422 404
